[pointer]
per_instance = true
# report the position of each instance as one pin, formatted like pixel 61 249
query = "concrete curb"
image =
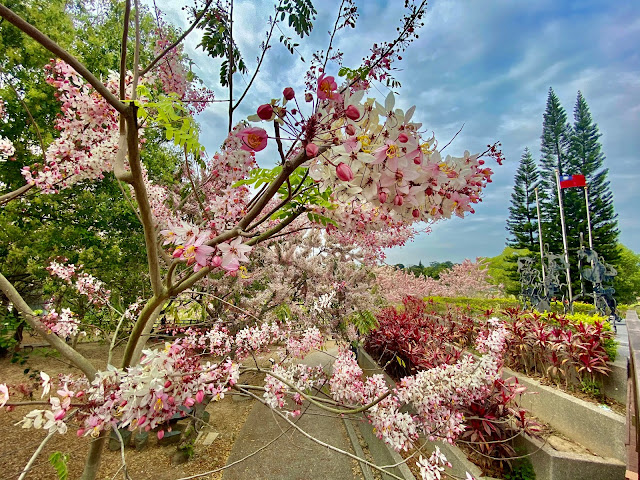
pixel 550 464
pixel 601 431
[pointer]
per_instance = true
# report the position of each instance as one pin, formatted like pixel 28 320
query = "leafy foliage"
pixel 59 461
pixel 410 339
pixel 217 41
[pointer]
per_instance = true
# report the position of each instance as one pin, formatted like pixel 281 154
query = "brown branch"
pixel 7 197
pixel 34 322
pixel 153 63
pixel 56 49
pixel 264 52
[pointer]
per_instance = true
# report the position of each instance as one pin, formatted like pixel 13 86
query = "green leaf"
pixel 59 461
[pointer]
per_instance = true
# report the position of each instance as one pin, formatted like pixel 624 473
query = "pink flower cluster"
pixel 85 284
pixel 89 132
pixel 468 279
pixel 63 324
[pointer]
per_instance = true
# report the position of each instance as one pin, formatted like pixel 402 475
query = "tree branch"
pixel 56 49
pixel 153 63
pixel 34 322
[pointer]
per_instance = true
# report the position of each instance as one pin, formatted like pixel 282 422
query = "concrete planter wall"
pixel 601 431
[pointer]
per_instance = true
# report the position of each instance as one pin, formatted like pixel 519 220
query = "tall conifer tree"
pixel 555 140
pixel 586 158
pixel 522 223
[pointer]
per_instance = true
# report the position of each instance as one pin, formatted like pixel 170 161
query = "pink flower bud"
pixel 199 396
pixel 352 112
pixel 288 93
pixel 160 434
pixel 417 161
pixel 312 150
pixel 167 384
pixel 308 97
pixel 403 138
pixel 142 419
pixel 350 130
pixel 216 261
pixel 344 172
pixel 415 213
pixel 398 201
pixel 80 432
pixel 382 197
pixel 189 402
pixel 265 112
pixel 60 415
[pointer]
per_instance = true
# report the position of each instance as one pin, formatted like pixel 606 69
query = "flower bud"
pixel 265 112
pixel 399 200
pixel 199 396
pixel 352 112
pixel 160 434
pixel 415 213
pixel 308 97
pixel 344 172
pixel 80 432
pixel 216 261
pixel 382 197
pixel 167 384
pixel 350 130
pixel 312 150
pixel 288 93
pixel 403 138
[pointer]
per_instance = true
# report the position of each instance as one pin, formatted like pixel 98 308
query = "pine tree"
pixel 586 158
pixel 555 140
pixel 523 219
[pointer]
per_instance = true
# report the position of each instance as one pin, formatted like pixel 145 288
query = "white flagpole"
pixel 586 200
pixel 540 240
pixel 564 236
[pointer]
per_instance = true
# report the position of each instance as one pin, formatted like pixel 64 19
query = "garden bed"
pixel 154 461
pixel 554 458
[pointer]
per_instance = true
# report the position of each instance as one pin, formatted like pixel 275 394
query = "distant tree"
pixel 586 158
pixel 627 283
pixel 523 222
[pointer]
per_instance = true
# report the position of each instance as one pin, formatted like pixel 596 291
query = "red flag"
pixel 568 181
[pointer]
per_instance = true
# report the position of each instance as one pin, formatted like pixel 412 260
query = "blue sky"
pixel 488 65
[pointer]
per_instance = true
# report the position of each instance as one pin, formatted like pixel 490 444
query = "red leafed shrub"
pixel 410 339
pixel 492 423
pixel 556 348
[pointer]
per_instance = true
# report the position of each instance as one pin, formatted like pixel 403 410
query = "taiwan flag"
pixel 568 181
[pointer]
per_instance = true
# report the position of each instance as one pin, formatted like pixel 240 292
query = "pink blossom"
pixel 265 112
pixel 344 172
pixel 311 150
pixel 233 253
pixel 288 93
pixel 327 87
pixel 352 112
pixel 4 394
pixel 253 139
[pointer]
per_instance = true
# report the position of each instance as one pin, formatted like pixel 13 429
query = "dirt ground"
pixel 17 445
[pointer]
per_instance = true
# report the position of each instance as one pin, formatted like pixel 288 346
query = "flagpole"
pixel 586 200
pixel 564 236
pixel 540 240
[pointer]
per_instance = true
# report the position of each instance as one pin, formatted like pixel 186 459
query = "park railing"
pixel 633 395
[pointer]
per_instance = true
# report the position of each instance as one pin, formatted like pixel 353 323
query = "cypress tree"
pixel 522 223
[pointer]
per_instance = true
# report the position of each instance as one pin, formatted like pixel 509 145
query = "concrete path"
pixel 292 456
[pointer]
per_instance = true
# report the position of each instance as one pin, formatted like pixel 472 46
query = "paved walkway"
pixel 292 456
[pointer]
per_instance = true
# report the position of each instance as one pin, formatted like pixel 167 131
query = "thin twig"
pixel 153 63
